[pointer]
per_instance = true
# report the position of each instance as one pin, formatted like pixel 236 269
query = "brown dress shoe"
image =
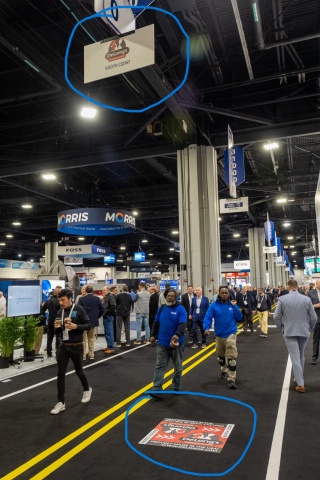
pixel 300 389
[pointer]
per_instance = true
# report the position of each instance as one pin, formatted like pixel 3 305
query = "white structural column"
pixel 199 232
pixel 271 269
pixel 51 255
pixel 258 275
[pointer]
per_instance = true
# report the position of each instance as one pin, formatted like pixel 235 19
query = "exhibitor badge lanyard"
pixel 65 333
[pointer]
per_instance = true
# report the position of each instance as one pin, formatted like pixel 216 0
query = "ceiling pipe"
pixel 259 32
pixel 242 37
pixel 32 65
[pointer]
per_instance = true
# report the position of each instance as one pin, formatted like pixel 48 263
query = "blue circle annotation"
pixel 102 13
pixel 187 472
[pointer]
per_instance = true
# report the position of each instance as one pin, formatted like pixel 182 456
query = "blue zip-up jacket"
pixel 170 320
pixel 225 317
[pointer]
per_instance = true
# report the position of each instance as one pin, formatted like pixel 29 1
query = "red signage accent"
pixel 236 274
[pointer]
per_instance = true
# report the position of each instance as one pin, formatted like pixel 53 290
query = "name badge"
pixel 65 335
pixel 259 305
pixel 245 302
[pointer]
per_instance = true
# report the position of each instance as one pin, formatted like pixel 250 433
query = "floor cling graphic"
pixel 189 435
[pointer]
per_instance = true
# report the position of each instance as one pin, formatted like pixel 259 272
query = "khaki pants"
pixel 263 320
pixel 89 337
pixel 226 348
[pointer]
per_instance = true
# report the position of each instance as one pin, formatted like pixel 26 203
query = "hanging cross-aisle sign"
pixel 232 185
pixel 121 20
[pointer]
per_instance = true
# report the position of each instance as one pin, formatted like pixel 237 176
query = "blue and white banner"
pixel 5 263
pixel 237 162
pixel 26 265
pixel 269 230
pixel 139 256
pixel 110 258
pixel 83 251
pixel 231 205
pixel 96 222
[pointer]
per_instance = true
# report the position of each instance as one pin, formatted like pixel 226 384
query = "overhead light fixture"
pixel 88 112
pixel 120 261
pixel 171 249
pixel 122 247
pixel 290 238
pixel 16 224
pixel 80 238
pixel 144 240
pixel 236 235
pixel 19 254
pixel 219 219
pixel 159 263
pixel 9 235
pixel 247 244
pixel 26 206
pixel 135 213
pixel 287 224
pixel 271 145
pixel 293 253
pixel 170 258
pixel 2 244
pixel 282 200
pixel 291 246
pixel 150 254
pixel 175 232
pixel 229 256
pixel 48 176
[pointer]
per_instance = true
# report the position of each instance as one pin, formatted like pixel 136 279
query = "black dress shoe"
pixel 314 361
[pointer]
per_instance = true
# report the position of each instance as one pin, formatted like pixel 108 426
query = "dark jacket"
pixel 79 317
pixel 53 306
pixel 313 294
pixel 124 304
pixel 109 305
pixel 185 302
pixel 283 292
pixel 93 306
pixel 204 305
pixel 153 305
pixel 242 299
pixel 264 301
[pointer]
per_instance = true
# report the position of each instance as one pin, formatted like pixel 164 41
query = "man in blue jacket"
pixel 226 314
pixel 168 328
pixel 199 307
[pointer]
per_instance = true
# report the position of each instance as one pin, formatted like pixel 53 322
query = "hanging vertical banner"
pixel 269 230
pixel 239 175
pixel 231 170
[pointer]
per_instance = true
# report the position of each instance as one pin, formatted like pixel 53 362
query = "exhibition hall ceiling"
pixel 254 65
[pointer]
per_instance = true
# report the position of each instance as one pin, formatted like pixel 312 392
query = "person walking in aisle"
pixel 314 294
pixel 94 309
pixel 245 302
pixel 73 321
pixel 168 328
pixel 186 301
pixel 226 315
pixel 263 306
pixel 142 301
pixel 295 318
pixel 52 305
pixel 199 307
pixel 109 305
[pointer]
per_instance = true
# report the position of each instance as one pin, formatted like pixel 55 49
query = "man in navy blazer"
pixel 198 310
pixel 94 309
pixel 246 304
pixel 314 294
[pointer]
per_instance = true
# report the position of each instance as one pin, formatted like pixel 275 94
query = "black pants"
pixel 247 319
pixel 316 340
pixel 190 327
pixel 50 336
pixel 63 354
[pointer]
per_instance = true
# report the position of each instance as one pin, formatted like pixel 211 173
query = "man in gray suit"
pixel 295 318
pixel 314 294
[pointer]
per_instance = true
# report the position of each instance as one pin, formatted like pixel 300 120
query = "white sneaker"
pixel 58 408
pixel 86 396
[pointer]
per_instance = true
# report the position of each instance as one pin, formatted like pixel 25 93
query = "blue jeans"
pixel 108 331
pixel 163 356
pixel 143 317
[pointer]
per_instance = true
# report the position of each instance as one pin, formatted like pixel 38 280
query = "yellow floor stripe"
pixel 81 446
pixel 49 451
